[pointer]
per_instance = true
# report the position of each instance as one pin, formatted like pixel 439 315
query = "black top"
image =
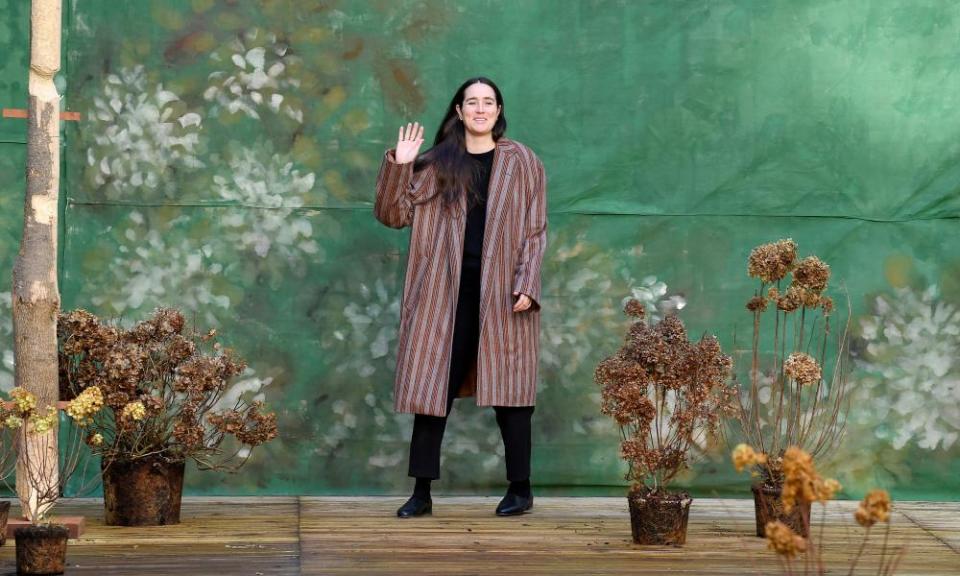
pixel 477 208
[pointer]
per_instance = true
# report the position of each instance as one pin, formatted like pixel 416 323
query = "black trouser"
pixel 514 421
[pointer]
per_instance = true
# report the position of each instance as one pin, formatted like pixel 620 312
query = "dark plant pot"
pixel 658 519
pixel 4 515
pixel 144 492
pixel 41 549
pixel 768 508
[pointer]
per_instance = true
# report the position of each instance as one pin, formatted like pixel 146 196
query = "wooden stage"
pixel 340 535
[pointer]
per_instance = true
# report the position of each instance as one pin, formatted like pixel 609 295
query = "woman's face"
pixel 479 110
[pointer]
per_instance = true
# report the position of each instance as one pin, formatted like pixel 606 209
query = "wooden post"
pixel 35 295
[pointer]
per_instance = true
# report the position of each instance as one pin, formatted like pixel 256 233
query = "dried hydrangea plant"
pixel 790 400
pixel 667 394
pixel 161 391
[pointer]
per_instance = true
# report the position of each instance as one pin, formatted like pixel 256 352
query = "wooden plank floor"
pixel 340 535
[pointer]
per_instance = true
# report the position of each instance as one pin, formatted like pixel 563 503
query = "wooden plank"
pixel 571 536
pixel 217 536
pixel 362 535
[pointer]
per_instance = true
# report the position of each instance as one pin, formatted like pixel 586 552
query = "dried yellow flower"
pixel 95 439
pixel 134 411
pixel 43 424
pixel 803 368
pixel 782 540
pixel 24 400
pixel 85 405
pixel 874 508
pixel 801 482
pixel 744 455
pixel 13 422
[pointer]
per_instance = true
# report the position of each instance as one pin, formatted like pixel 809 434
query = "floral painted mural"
pixel 227 152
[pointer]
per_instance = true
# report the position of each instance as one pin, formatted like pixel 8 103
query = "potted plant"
pixel 802 486
pixel 668 396
pixel 798 373
pixel 42 545
pixel 165 402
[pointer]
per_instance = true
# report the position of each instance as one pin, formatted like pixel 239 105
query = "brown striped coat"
pixel 514 241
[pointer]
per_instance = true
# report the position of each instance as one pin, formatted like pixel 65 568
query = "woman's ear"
pixel 459 113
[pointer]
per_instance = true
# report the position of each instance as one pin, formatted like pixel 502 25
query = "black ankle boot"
pixel 514 504
pixel 416 506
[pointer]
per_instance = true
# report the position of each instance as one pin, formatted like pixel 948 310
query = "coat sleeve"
pixel 527 274
pixel 397 189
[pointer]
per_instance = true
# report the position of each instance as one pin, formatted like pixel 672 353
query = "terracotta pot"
pixel 658 519
pixel 144 492
pixel 4 514
pixel 41 549
pixel 768 508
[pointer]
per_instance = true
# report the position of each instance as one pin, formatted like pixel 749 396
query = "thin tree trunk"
pixel 36 297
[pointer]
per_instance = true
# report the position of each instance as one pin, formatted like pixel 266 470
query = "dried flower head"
pixel 812 274
pixel 95 439
pixel 826 303
pixel 771 262
pixel 82 408
pixel 13 422
pixel 757 304
pixel 134 411
pixel 188 433
pixel 164 323
pixel 801 482
pixel 634 308
pixel 744 456
pixel 803 368
pixel 782 540
pixel 791 300
pixel 43 424
pixel 23 400
pixel 874 508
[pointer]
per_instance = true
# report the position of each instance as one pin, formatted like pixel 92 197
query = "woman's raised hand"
pixel 408 143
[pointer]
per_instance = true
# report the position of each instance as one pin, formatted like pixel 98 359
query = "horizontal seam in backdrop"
pixel 577 212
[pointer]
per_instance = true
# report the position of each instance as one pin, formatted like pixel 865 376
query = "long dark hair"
pixel 448 155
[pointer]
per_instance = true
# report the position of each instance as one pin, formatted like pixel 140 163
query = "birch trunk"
pixel 35 295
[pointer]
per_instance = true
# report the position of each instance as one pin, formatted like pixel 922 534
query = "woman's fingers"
pixel 411 132
pixel 522 303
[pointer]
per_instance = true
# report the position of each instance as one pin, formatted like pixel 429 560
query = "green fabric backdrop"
pixel 227 154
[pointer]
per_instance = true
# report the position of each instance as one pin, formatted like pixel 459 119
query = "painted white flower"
pixel 142 131
pixel 255 77
pixel 270 190
pixel 152 270
pixel 373 320
pixel 911 364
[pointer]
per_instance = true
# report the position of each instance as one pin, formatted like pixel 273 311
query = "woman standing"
pixel 470 318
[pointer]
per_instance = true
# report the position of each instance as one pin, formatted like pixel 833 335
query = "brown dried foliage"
pixel 666 394
pixel 178 383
